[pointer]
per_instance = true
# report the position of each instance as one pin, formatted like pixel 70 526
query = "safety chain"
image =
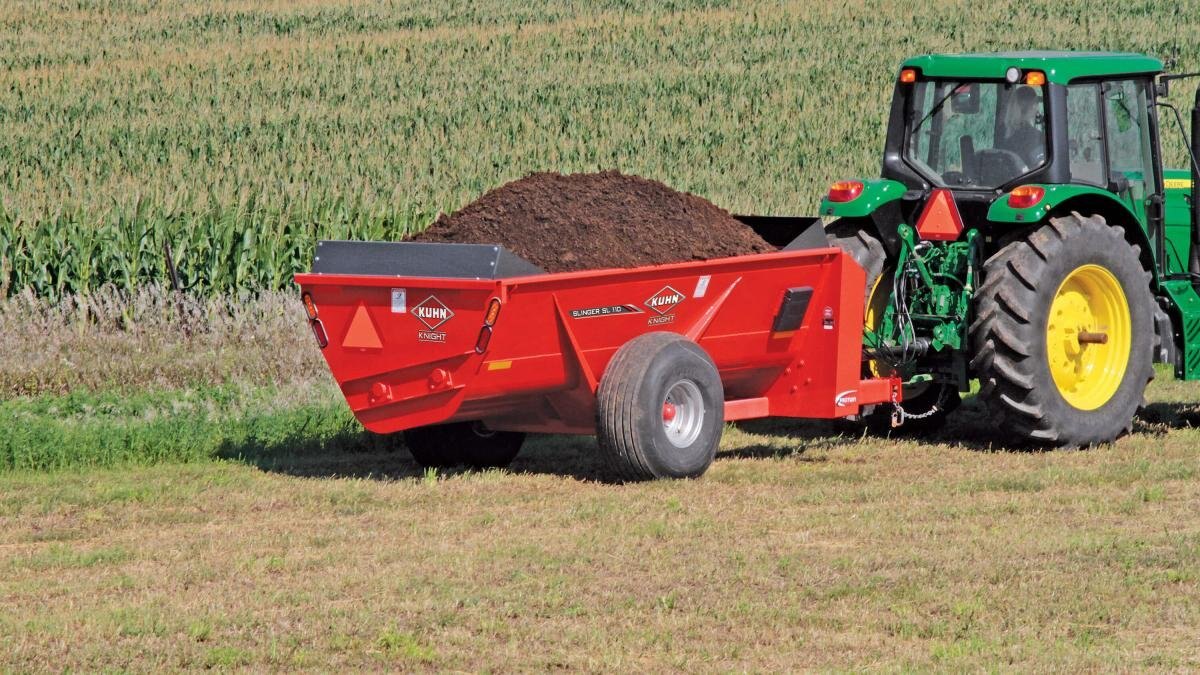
pixel 900 415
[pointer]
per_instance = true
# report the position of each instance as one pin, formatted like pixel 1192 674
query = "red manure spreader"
pixel 466 348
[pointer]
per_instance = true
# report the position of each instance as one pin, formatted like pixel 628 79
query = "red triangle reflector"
pixel 940 221
pixel 362 333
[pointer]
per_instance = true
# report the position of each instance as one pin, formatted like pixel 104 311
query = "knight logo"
pixel 664 303
pixel 849 397
pixel 433 314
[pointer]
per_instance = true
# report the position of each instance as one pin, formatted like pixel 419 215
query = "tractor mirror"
pixel 965 100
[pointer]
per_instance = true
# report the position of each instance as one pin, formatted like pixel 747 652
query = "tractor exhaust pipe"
pixel 1194 258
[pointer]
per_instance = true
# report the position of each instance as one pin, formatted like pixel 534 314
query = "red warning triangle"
pixel 362 333
pixel 940 221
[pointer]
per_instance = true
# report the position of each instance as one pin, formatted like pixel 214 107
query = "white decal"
pixel 399 302
pixel 432 312
pixel 702 286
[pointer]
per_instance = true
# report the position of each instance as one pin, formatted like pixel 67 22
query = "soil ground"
pixel 597 220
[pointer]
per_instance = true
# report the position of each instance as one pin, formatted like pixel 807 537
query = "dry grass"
pixel 799 550
pixel 151 339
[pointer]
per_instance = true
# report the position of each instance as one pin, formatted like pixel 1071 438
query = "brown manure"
pixel 596 220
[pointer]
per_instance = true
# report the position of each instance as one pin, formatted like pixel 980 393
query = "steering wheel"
pixel 997 165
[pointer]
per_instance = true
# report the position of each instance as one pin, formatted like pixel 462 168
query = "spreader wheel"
pixel 660 409
pixel 1064 335
pixel 469 443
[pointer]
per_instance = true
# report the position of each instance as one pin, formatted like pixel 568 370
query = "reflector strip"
pixel 940 221
pixel 362 334
pixel 499 365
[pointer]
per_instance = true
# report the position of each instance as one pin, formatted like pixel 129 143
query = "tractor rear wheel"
pixel 468 443
pixel 929 405
pixel 660 409
pixel 1064 335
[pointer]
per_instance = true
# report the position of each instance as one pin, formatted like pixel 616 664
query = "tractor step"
pixel 1185 303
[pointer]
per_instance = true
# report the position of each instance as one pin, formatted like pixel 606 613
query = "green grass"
pixel 241 132
pixel 112 428
pixel 800 550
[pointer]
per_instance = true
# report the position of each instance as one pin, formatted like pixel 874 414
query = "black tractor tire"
pixel 864 247
pixel 1009 333
pixel 931 404
pixel 632 427
pixel 463 443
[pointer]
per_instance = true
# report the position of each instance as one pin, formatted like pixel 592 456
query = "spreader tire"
pixel 660 409
pixel 460 443
pixel 1064 335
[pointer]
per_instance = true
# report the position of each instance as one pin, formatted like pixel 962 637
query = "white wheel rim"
pixel 683 413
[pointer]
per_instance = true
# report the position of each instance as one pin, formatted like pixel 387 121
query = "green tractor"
pixel 1025 234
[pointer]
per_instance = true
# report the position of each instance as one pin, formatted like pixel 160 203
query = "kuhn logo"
pixel 665 300
pixel 432 312
pixel 846 398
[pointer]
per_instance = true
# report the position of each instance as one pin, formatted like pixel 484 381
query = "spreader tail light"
pixel 481 342
pixel 318 330
pixel 310 307
pixel 845 190
pixel 493 312
pixel 1025 196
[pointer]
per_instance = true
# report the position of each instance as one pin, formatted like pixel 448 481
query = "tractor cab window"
pixel 1085 142
pixel 1127 129
pixel 978 135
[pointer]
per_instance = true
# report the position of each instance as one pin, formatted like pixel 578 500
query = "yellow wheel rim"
pixel 1088 337
pixel 876 306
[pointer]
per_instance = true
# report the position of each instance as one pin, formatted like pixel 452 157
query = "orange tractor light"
pixel 845 190
pixel 1025 196
pixel 908 75
pixel 1035 78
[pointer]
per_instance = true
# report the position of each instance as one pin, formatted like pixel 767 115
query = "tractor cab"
pixel 999 170
pixel 984 124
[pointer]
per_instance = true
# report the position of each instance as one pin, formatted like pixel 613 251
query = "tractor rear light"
pixel 1035 78
pixel 493 312
pixel 309 307
pixel 845 190
pixel 481 342
pixel 1025 196
pixel 908 75
pixel 318 330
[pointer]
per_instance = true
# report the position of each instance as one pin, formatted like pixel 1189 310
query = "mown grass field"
pixel 801 549
pixel 240 131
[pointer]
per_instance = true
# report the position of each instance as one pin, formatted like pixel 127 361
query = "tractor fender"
pixel 876 192
pixel 877 208
pixel 1063 199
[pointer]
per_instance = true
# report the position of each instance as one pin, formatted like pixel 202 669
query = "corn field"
pixel 238 132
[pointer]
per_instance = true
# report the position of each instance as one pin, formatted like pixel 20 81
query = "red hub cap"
pixel 668 412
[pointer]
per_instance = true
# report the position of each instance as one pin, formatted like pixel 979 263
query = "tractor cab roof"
pixel 1060 67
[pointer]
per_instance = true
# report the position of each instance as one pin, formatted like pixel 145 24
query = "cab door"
pixel 1133 172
